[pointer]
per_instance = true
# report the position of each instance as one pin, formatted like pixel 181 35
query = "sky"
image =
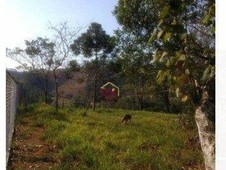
pixel 28 19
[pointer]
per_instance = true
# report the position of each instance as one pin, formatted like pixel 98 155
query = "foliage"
pixel 135 16
pixel 30 92
pixel 107 70
pixel 135 53
pixel 79 101
pixel 36 55
pixel 182 39
pixel 91 42
pixel 127 102
pixel 72 67
pixel 36 59
pixel 94 42
pixel 180 35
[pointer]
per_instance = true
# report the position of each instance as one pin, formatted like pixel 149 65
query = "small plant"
pixel 84 114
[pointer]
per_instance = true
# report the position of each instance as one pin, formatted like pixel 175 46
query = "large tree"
pixel 132 47
pixel 137 68
pixel 93 43
pixel 182 32
pixel 36 59
pixel 185 44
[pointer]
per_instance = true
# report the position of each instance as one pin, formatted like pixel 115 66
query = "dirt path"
pixel 29 150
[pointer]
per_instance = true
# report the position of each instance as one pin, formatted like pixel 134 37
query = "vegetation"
pixel 162 58
pixel 36 59
pixel 95 42
pixel 100 141
pixel 181 34
pixel 63 37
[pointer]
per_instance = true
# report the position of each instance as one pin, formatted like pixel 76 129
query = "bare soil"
pixel 29 150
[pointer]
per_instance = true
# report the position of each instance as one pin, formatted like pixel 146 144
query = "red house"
pixel 109 91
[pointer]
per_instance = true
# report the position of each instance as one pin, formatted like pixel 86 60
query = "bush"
pixel 79 101
pixel 128 102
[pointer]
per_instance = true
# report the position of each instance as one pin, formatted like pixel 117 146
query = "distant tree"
pixel 71 68
pixel 36 59
pixel 136 54
pixel 63 38
pixel 94 42
pixel 29 90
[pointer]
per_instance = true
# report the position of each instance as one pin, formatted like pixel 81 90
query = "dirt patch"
pixel 29 150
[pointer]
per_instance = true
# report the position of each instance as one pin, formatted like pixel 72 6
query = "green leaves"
pixel 153 36
pixel 160 34
pixel 209 16
pixel 164 12
pixel 187 71
pixel 93 41
pixel 207 72
pixel 180 33
pixel 162 76
pixel 167 36
pixel 207 19
pixel 164 54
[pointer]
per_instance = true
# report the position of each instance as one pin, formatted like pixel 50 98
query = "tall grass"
pixel 100 141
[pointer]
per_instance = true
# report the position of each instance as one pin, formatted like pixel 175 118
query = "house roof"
pixel 109 83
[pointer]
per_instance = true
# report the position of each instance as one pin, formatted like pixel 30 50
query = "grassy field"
pixel 68 140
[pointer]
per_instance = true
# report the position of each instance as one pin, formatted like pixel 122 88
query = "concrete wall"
pixel 11 100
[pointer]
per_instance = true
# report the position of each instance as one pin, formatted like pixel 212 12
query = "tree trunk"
pixel 56 97
pixel 95 82
pixel 87 105
pixel 95 94
pixel 167 101
pixel 46 89
pixel 46 98
pixel 141 101
pixel 56 91
pixel 165 93
pixel 204 116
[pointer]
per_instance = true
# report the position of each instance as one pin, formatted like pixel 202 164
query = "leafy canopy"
pixel 182 36
pixel 91 42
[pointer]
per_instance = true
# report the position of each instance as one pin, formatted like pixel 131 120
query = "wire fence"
pixel 11 101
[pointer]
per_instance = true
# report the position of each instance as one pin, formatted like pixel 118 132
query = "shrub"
pixel 128 102
pixel 79 101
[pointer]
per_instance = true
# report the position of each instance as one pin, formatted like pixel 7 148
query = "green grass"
pixel 99 141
